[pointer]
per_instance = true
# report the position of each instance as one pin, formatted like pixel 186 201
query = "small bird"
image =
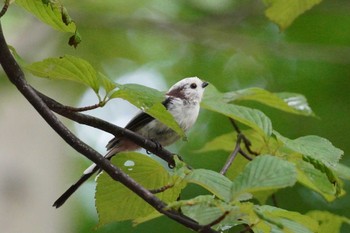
pixel 182 101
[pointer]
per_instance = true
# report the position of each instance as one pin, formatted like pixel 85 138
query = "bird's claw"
pixel 158 146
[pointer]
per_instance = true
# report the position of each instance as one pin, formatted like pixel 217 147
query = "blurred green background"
pixel 228 43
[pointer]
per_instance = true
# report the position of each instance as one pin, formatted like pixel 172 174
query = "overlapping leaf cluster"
pixel 310 160
pixel 282 162
pixel 53 13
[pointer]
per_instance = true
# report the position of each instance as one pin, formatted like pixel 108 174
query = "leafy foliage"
pixel 79 70
pixel 284 12
pixel 288 102
pixel 111 196
pixel 316 147
pixel 328 222
pixel 69 68
pixel 264 173
pixel 220 102
pixel 150 100
pixel 309 160
pixel 54 14
pixel 280 220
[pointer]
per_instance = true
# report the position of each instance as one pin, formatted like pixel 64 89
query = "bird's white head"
pixel 190 89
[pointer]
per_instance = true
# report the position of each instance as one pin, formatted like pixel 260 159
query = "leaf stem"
pixel 82 109
pixel 161 189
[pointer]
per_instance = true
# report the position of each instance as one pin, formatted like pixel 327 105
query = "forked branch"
pixel 238 149
pixel 16 76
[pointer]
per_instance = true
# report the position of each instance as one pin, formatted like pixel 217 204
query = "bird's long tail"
pixel 87 174
pixel 115 149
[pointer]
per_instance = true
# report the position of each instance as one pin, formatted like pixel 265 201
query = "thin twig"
pixel 274 199
pixel 83 109
pixel 4 8
pixel 232 156
pixel 240 137
pixel 247 144
pixel 16 76
pixel 218 220
pixel 246 141
pixel 234 125
pixel 161 189
pixel 245 155
pixel 247 228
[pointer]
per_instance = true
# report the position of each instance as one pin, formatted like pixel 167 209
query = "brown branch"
pixel 4 8
pixel 16 76
pixel 245 155
pixel 274 200
pixel 218 220
pixel 110 128
pixel 162 189
pixel 232 155
pixel 247 228
pixel 82 109
pixel 240 137
pixel 246 141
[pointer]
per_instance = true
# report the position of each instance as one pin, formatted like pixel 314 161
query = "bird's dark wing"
pixel 137 122
pixel 143 118
pixel 134 124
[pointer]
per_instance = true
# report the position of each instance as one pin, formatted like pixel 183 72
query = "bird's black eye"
pixel 193 86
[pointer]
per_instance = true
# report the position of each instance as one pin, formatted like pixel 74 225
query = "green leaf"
pixel 316 180
pixel 218 102
pixel 107 84
pixel 263 196
pixel 288 102
pixel 284 12
pixel 151 216
pixel 141 96
pixel 206 209
pixel 286 221
pixel 330 174
pixel 112 197
pixel 226 142
pixel 296 102
pixel 250 217
pixel 328 222
pixel 237 167
pixel 52 13
pixel 18 58
pixel 66 68
pixel 148 100
pixel 315 147
pixel 264 173
pixel 216 183
pixel 342 171
pixel 250 117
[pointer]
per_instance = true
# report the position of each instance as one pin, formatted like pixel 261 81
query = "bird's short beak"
pixel 204 84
